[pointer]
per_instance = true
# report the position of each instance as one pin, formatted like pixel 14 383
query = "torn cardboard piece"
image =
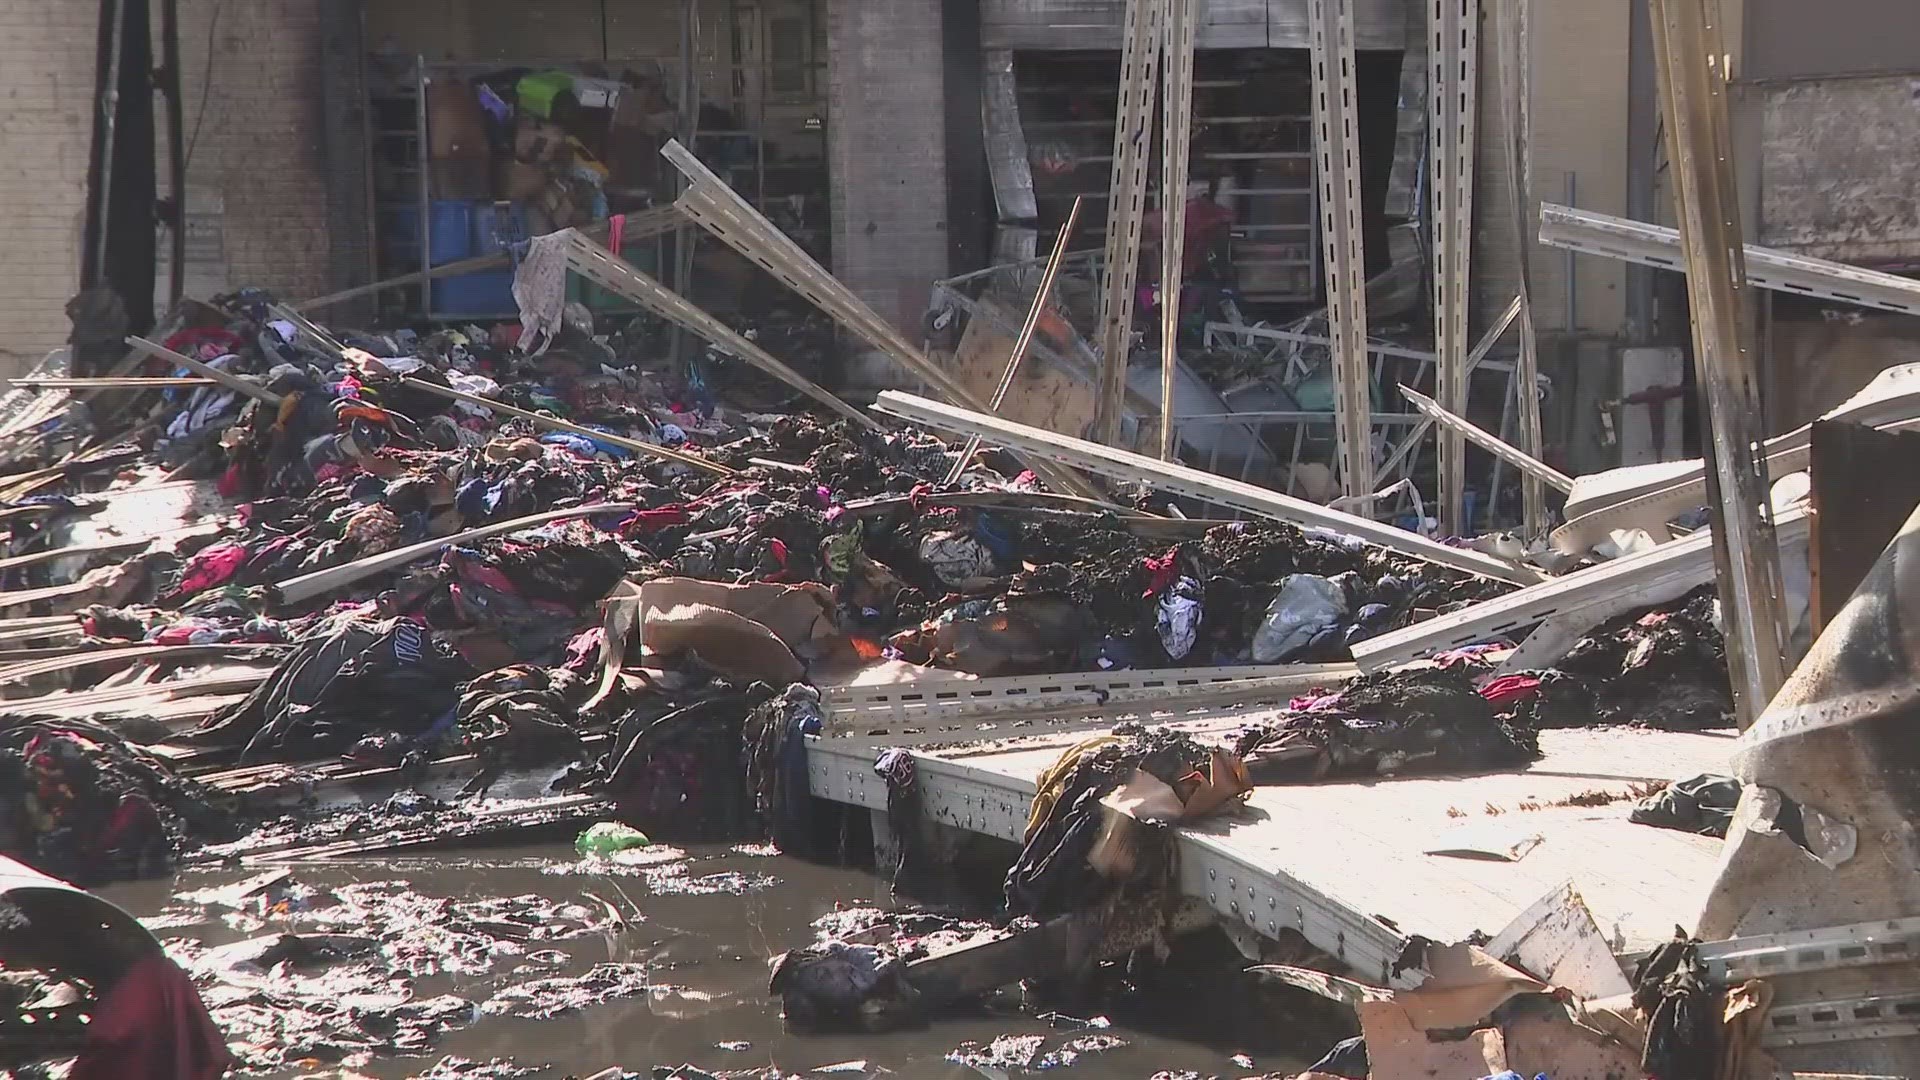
pixel 758 630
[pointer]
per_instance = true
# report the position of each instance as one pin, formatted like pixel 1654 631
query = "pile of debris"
pixel 448 544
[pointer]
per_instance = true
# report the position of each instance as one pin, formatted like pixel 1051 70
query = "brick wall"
pixel 257 192
pixel 257 173
pixel 886 152
pixel 46 87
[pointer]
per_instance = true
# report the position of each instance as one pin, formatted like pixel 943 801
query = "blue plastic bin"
pixel 481 294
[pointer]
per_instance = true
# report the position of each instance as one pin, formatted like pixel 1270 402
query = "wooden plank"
pixel 1025 340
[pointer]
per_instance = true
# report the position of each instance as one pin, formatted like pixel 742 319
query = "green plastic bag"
pixel 608 837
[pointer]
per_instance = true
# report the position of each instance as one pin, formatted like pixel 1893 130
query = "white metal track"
pixel 1491 443
pixel 1336 144
pixel 935 700
pixel 1126 206
pixel 1108 461
pixel 1656 245
pixel 1453 26
pixel 1593 595
pixel 1264 900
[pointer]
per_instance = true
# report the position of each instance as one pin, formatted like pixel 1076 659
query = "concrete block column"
pixel 887 152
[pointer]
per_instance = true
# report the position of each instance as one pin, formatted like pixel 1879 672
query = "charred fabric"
pixel 684 557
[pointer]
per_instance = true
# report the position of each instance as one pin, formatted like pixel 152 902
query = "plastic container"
pixel 608 837
pixel 451 235
pixel 497 226
pixel 483 294
pixel 537 91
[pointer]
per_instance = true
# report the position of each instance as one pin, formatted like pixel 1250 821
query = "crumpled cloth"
pixel 540 290
pixel 152 1026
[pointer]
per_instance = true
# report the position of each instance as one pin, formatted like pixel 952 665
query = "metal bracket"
pixel 1512 455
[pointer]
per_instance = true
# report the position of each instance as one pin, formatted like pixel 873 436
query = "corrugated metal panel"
pixel 1836 164
pixel 1224 24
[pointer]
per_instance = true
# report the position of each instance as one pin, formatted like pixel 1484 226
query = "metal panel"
pixel 1336 144
pixel 1006 140
pixel 1224 24
pixel 1454 37
pixel 1836 174
pixel 1591 595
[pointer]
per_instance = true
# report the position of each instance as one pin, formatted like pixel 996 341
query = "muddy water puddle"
pixel 493 963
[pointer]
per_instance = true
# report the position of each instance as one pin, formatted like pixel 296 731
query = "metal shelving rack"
pixel 401 178
pixel 1276 230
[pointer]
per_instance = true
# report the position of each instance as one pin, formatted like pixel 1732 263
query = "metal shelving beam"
pixel 613 273
pixel 1126 207
pixel 1176 125
pixel 1656 245
pixel 1693 85
pixel 1180 480
pixel 1519 459
pixel 721 211
pixel 1516 95
pixel 1454 28
pixel 1336 142
pixel 1591 595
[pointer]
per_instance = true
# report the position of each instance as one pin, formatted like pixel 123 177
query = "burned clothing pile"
pixel 80 803
pixel 1070 860
pixel 364 677
pixel 522 715
pixel 1662 668
pixel 1423 720
pixel 855 972
pixel 1073 592
pixel 677 774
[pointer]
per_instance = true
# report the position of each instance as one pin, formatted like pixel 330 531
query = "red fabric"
pixel 1509 688
pixel 648 522
pixel 192 340
pixel 1161 572
pixel 616 232
pixel 152 1026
